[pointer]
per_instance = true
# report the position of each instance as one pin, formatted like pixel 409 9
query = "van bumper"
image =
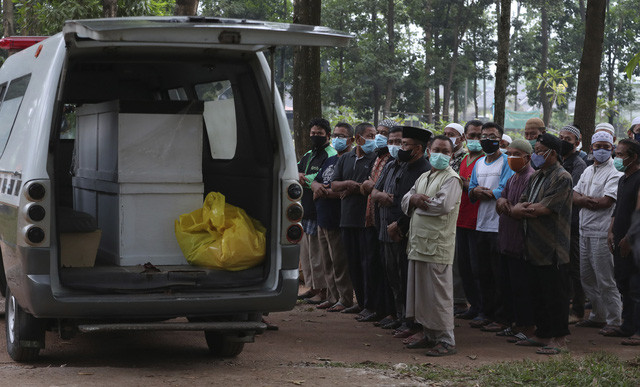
pixel 29 276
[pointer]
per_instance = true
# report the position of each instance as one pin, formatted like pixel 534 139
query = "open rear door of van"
pixel 245 35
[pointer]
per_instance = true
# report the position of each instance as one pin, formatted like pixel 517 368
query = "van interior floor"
pixel 150 278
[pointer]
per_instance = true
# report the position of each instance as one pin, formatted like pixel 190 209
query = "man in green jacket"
pixel 433 203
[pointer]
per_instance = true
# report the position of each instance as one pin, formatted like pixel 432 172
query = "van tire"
pixel 25 333
pixel 222 345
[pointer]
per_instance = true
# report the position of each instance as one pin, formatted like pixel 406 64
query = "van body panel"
pixel 225 33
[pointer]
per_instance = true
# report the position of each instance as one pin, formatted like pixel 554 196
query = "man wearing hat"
pixel 575 165
pixel 455 132
pixel 533 128
pixel 634 130
pixel 432 204
pixel 397 177
pixel 516 287
pixel 595 196
pixel 545 207
pixel 504 143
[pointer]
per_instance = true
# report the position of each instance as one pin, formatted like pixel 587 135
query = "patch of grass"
pixel 598 369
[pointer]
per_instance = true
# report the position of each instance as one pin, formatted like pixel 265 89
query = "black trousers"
pixel 576 293
pixel 395 261
pixel 519 296
pixel 467 255
pixel 550 299
pixel 490 272
pixel 628 281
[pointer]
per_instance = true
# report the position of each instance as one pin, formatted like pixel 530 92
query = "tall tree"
pixel 186 7
pixel 589 75
pixel 109 8
pixel 306 76
pixel 8 21
pixel 502 65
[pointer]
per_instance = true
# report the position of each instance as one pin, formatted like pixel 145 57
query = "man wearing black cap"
pixel 396 179
pixel 545 207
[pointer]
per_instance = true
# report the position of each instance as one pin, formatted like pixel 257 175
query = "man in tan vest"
pixel 433 203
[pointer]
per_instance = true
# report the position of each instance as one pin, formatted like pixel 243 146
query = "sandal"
pixel 633 340
pixel 506 332
pixel 442 349
pixel 493 327
pixel 479 322
pixel 324 305
pixel 590 324
pixel 415 337
pixel 550 350
pixel 337 307
pixel 517 337
pixel 613 331
pixel 530 343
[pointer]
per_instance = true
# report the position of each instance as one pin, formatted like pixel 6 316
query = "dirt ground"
pixel 294 355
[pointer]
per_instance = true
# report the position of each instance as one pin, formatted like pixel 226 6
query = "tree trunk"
pixel 457 35
pixel 502 65
pixel 306 77
pixel 589 75
pixel 8 20
pixel 109 8
pixel 455 104
pixel 475 94
pixel 428 37
pixel 436 105
pixel 186 8
pixel 391 48
pixel 544 57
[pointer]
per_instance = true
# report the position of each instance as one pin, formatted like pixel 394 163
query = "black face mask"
pixel 318 141
pixel 566 149
pixel 490 146
pixel 404 156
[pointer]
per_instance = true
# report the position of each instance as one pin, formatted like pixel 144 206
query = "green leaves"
pixel 631 66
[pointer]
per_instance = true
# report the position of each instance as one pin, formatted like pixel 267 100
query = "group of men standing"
pixel 470 224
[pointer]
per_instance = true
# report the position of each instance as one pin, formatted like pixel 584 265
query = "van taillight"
pixel 35 192
pixel 35 234
pixel 294 233
pixel 294 191
pixel 36 212
pixel 294 212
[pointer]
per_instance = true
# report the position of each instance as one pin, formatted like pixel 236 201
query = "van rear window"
pixel 10 106
pixel 219 118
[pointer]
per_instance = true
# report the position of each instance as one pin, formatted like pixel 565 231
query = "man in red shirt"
pixel 466 226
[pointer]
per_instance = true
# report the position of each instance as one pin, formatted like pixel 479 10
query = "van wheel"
pixel 221 345
pixel 25 333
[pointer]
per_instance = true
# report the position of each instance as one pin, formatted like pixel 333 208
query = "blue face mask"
pixel 380 141
pixel 393 150
pixel 533 142
pixel 602 155
pixel 439 160
pixel 339 144
pixel 503 150
pixel 619 164
pixel 537 160
pixel 369 146
pixel 474 145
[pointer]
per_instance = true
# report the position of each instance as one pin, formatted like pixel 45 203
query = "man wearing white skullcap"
pixel 504 143
pixel 634 130
pixel 596 204
pixel 606 127
pixel 455 132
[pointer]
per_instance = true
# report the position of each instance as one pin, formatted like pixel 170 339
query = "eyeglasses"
pixel 340 136
pixel 490 137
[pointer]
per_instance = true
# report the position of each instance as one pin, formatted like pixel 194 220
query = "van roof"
pixel 228 33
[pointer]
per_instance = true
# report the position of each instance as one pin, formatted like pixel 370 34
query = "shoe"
pixel 460 310
pixel 573 319
pixel 479 322
pixel 317 299
pixel 353 309
pixel 324 305
pixel 442 349
pixel 468 315
pixel 404 334
pixel 423 343
pixel 493 327
pixel 392 325
pixel 614 331
pixel 384 321
pixel 370 318
pixel 590 324
pixel 415 337
pixel 337 307
pixel 633 340
pixel 364 313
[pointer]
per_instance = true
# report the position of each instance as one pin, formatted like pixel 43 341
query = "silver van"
pixel 109 131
